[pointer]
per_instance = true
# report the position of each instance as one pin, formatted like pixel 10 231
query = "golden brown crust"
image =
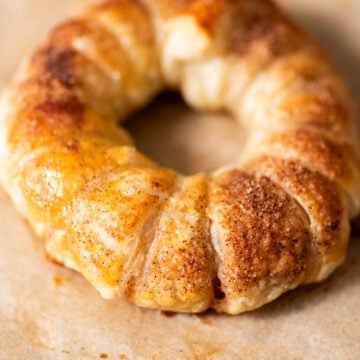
pixel 259 25
pixel 232 240
pixel 321 200
pixel 108 222
pixel 331 156
pixel 262 236
pixel 180 264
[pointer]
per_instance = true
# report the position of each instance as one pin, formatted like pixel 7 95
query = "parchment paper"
pixel 48 312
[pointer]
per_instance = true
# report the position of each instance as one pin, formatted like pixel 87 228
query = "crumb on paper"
pixel 58 280
pixel 204 319
pixel 104 356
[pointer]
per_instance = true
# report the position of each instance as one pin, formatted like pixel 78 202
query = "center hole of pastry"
pixel 176 136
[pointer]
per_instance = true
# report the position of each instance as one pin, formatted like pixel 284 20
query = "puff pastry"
pixel 232 240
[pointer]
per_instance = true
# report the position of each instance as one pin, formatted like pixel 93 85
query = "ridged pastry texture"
pixel 232 240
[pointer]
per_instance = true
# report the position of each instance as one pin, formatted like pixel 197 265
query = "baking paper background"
pixel 48 312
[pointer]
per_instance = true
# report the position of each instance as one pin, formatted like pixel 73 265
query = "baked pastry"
pixel 232 240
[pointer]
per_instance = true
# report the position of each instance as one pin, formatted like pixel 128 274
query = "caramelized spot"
pixel 218 293
pixel 259 26
pixel 64 104
pixel 207 13
pixel 58 64
pixel 168 313
pixel 59 114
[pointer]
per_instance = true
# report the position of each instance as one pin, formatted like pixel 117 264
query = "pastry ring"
pixel 232 240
